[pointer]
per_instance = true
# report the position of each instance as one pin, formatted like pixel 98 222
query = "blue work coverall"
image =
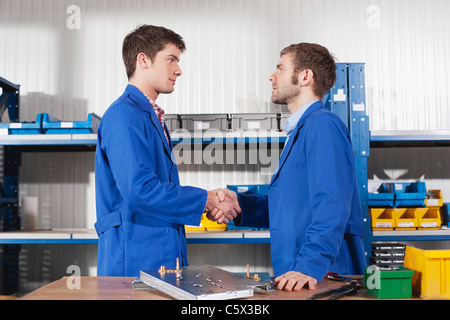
pixel 141 206
pixel 313 207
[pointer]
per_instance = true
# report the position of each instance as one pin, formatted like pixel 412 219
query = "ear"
pixel 306 77
pixel 142 61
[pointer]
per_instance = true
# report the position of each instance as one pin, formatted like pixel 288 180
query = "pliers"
pixel 350 288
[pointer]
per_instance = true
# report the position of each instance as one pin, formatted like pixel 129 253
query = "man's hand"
pixel 222 205
pixel 294 281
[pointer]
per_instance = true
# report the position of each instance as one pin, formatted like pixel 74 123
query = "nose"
pixel 272 78
pixel 177 71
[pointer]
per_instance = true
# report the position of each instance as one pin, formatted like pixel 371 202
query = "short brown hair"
pixel 319 60
pixel 149 40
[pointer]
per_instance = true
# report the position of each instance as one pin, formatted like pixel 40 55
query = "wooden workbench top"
pixel 120 288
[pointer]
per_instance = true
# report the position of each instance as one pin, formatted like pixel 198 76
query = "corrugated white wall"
pixel 232 48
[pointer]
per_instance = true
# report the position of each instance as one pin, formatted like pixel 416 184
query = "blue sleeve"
pixel 132 161
pixel 255 210
pixel 331 171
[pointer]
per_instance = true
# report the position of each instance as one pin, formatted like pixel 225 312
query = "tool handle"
pixel 327 293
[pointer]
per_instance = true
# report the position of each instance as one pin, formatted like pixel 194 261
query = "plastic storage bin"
pixel 52 125
pixel 446 214
pixel 173 121
pixel 394 284
pixel 381 200
pixel 251 188
pixel 434 199
pixel 206 225
pixel 201 122
pixel 431 278
pixel 254 121
pixel 408 194
pixel 382 218
pixel 214 226
pixel 200 227
pixel 22 127
pixel 429 219
pixel 407 218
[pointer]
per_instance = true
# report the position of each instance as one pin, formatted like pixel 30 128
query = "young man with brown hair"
pixel 141 207
pixel 313 207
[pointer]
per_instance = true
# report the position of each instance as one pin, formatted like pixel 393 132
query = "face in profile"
pixel 285 86
pixel 164 70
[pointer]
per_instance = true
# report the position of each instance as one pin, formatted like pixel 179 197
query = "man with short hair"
pixel 141 207
pixel 313 207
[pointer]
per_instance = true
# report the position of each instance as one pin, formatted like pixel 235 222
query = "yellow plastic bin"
pixel 382 219
pixel 200 227
pixel 214 226
pixel 431 279
pixel 430 219
pixel 436 200
pixel 406 219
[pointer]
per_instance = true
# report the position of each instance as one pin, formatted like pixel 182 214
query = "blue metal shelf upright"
pixel 348 100
pixel 9 102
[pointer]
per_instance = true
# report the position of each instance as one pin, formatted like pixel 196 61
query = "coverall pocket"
pixel 152 246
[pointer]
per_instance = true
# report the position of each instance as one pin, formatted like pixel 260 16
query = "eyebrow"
pixel 174 56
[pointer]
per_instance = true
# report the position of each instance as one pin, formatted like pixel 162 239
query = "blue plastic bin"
pixel 24 127
pixel 446 214
pixel 399 195
pixel 51 125
pixel 382 200
pixel 408 194
pixel 250 188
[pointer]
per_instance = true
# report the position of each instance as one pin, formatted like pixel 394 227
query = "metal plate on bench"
pixel 202 282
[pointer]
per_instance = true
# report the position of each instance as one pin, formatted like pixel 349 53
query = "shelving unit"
pixel 25 140
pixel 395 139
pixel 379 139
pixel 55 236
pixel 89 236
pixel 9 103
pixel 417 235
pixel 410 139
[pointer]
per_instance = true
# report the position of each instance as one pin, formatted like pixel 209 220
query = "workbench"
pixel 263 304
pixel 120 288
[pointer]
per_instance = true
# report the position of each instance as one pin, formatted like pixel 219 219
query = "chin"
pixel 278 101
pixel 167 91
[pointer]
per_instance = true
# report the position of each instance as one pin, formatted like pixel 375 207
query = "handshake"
pixel 222 205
